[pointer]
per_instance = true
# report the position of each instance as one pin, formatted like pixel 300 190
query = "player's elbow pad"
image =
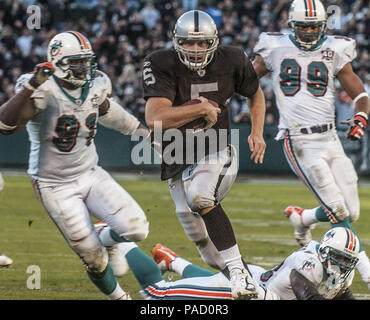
pixel 303 288
pixel 119 119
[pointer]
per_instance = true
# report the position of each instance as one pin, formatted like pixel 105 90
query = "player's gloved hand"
pixel 357 126
pixel 42 73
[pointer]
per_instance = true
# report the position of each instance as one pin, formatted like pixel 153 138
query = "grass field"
pixel 255 208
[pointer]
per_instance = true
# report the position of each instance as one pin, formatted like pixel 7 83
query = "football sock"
pixel 221 233
pixel 219 228
pixel 321 215
pixel 143 267
pixel 188 270
pixel 109 238
pixel 309 216
pixel 106 282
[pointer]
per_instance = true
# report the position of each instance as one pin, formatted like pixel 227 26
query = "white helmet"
pixel 307 13
pixel 195 25
pixel 66 51
pixel 338 252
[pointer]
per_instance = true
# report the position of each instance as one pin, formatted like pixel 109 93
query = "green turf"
pixel 264 235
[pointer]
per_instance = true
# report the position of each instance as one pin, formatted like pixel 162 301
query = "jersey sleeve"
pixel 157 79
pixel 248 81
pixel 38 95
pixel 106 84
pixel 264 48
pixel 345 52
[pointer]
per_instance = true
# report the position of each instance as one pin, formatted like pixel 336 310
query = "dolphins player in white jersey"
pixel 304 66
pixel 60 104
pixel 4 260
pixel 318 271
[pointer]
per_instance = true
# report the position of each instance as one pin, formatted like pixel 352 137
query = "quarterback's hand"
pixel 257 146
pixel 211 111
pixel 357 126
pixel 42 73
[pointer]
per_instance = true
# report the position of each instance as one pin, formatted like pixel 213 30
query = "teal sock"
pixel 107 283
pixel 346 224
pixel 116 237
pixel 321 215
pixel 144 268
pixel 192 271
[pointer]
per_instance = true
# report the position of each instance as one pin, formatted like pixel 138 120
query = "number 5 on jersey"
pixel 290 75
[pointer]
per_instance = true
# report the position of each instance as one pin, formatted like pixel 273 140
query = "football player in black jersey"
pixel 198 68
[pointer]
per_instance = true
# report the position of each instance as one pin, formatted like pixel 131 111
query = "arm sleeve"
pixel 303 288
pixel 119 119
pixel 248 84
pixel 264 48
pixel 345 52
pixel 38 95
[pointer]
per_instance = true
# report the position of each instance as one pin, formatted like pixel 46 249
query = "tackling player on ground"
pixel 304 66
pixel 60 103
pixel 198 68
pixel 319 271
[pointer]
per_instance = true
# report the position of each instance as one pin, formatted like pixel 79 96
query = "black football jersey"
pixel 229 72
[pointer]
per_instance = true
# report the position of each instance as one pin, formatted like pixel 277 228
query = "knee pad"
pixel 198 198
pixel 137 233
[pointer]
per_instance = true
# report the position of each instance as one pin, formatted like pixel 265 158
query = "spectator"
pixel 150 15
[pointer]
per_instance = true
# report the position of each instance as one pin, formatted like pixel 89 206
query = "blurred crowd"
pixel 123 32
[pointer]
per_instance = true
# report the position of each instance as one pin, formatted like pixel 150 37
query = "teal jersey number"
pixel 317 73
pixel 290 75
pixel 67 129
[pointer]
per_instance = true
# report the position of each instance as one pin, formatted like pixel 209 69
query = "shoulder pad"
pixel 343 46
pixel 103 79
pixel 268 41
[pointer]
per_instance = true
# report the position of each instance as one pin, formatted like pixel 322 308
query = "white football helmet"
pixel 72 58
pixel 195 25
pixel 307 13
pixel 338 252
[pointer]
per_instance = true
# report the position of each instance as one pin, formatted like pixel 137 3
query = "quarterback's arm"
pixel 260 67
pixel 159 109
pixel 257 109
pixel 15 113
pixel 353 85
pixel 303 288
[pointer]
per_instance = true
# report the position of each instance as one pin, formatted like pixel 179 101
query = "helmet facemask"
pixel 78 69
pixel 337 264
pixel 307 40
pixel 195 59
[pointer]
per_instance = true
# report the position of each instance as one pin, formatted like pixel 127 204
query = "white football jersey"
pixel 306 262
pixel 303 81
pixel 63 129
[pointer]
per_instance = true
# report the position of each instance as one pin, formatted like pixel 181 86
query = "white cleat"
pixel 302 232
pixel 117 260
pixel 5 261
pixel 242 285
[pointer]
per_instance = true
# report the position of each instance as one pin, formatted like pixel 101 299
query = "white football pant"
pixel 69 205
pixel 319 160
pixel 200 186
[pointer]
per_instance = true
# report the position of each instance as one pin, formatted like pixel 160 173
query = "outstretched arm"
pixel 353 85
